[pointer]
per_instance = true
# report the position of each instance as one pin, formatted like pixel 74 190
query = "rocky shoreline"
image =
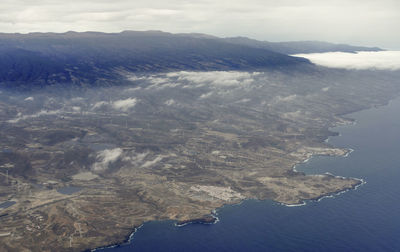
pixel 208 219
pixel 213 219
pixel 128 238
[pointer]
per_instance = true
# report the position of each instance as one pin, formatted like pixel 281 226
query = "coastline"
pixel 302 203
pixel 348 122
pixel 329 195
pixel 206 220
pixel 339 192
pixel 126 241
pixel 213 218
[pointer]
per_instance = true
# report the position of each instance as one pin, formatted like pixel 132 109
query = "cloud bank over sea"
pixel 384 60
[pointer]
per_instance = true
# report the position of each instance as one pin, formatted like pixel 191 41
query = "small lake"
pixel 69 190
pixel 7 204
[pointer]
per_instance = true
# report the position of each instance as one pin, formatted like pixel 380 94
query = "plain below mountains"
pixel 94 58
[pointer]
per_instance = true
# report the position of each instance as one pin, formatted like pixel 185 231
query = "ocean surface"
pixel 366 219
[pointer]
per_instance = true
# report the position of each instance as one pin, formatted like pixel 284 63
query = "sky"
pixel 360 22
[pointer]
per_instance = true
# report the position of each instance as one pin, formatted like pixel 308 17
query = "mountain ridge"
pixel 97 58
pixel 92 57
pixel 296 47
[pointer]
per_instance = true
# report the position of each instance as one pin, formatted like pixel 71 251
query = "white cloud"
pixel 243 100
pixel 38 114
pixel 77 99
pixel 216 78
pixel 154 161
pixel 105 158
pixel 125 105
pixel 100 104
pixel 76 109
pixel 156 80
pixel 170 102
pixel 133 89
pixel 212 79
pixel 206 95
pixel 385 60
pixel 29 98
pixel 136 158
pixel 160 83
pixel 286 98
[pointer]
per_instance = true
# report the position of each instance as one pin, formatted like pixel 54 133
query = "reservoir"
pixel 68 190
pixel 6 204
pixel 366 219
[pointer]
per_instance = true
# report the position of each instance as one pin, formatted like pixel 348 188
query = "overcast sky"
pixel 363 22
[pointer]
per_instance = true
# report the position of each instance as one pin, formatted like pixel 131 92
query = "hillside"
pixel 93 58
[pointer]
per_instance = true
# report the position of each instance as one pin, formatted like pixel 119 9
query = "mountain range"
pixel 95 58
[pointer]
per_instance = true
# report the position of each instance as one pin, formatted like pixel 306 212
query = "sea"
pixel 364 219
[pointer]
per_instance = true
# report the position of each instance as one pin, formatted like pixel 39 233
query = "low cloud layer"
pixel 385 60
pixel 42 112
pixel 212 83
pixel 216 78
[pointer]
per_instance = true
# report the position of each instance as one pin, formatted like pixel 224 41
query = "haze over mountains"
pixel 94 58
pixel 296 47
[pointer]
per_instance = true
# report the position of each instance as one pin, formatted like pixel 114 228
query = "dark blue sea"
pixel 366 219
